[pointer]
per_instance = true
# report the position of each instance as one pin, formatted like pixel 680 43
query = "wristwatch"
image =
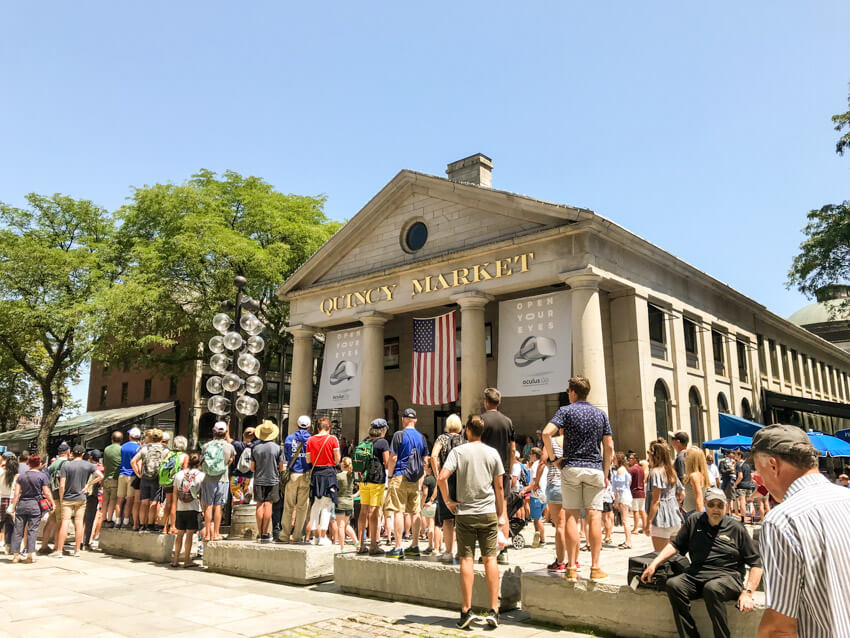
pixel 748 591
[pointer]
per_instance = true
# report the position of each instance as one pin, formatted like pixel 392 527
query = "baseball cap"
pixel 304 421
pixel 780 439
pixel 95 454
pixel 220 426
pixel 64 447
pixel 134 433
pixel 409 413
pixel 714 494
pixel 79 449
pixel 378 423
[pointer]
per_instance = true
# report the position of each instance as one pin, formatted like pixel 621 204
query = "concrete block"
pixel 157 548
pixel 423 581
pixel 616 609
pixel 292 564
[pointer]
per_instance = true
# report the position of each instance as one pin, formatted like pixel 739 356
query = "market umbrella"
pixel 730 442
pixel 829 445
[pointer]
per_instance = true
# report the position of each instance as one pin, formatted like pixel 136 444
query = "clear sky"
pixel 704 129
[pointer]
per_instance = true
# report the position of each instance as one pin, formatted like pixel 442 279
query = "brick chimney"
pixel 476 169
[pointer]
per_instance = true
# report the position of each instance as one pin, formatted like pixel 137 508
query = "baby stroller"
pixel 516 523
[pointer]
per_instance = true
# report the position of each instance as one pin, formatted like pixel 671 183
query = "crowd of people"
pixel 474 487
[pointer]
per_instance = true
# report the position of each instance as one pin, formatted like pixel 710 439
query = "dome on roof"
pixel 827 309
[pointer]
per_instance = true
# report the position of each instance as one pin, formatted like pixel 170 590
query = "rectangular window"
pixel 717 351
pixel 124 391
pixel 285 398
pixel 743 368
pixel 816 373
pixel 488 341
pixel 762 360
pixel 774 360
pixel 148 383
pixel 391 353
pixel 795 365
pixel 657 336
pixel 172 386
pixel 274 391
pixel 691 350
pixel 786 370
pixel 102 395
pixel 274 362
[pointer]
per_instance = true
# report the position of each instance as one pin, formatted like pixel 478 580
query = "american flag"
pixel 434 360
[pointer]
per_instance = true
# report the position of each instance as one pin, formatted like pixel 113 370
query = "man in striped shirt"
pixel 803 540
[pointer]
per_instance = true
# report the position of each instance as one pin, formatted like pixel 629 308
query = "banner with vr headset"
pixel 535 344
pixel 339 386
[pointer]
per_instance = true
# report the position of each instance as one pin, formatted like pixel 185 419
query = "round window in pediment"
pixel 414 236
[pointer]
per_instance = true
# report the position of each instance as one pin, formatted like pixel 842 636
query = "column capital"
pixel 471 299
pixel 372 318
pixel 586 278
pixel 301 330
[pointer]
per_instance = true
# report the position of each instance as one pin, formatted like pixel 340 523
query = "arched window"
pixel 696 415
pixel 722 404
pixel 391 413
pixel 662 410
pixel 746 411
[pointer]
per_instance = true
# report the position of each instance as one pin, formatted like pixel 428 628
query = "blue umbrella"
pixel 829 445
pixel 730 442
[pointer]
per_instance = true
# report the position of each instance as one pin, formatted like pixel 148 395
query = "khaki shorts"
pixel 582 488
pixel 75 510
pixel 402 496
pixel 638 504
pixel 110 490
pixel 125 487
pixel 480 528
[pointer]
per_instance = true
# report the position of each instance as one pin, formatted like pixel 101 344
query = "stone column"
pixel 588 353
pixel 301 383
pixel 473 353
pixel 372 369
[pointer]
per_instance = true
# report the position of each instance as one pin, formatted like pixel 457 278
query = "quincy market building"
pixel 542 291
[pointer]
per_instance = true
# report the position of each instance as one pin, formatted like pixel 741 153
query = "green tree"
pixel 55 261
pixel 184 244
pixel 19 396
pixel 824 257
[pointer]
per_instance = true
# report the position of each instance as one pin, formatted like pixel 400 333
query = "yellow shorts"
pixel 372 494
pixel 402 496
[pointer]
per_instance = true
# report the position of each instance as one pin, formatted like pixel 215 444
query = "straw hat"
pixel 266 431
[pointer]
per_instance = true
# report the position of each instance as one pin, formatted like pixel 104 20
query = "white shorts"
pixel 638 504
pixel 664 532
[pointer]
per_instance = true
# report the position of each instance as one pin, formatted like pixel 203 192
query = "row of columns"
pixel 588 356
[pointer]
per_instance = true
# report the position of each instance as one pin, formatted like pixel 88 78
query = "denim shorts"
pixel 214 492
pixel 553 493
pixel 536 506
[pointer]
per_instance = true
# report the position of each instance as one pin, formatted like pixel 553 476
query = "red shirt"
pixel 326 456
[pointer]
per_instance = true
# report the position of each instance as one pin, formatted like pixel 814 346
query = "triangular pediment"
pixel 458 217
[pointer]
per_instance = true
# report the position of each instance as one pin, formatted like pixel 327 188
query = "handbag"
pixel 284 476
pixel 45 505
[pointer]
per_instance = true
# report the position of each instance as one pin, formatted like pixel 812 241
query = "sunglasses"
pixel 716 504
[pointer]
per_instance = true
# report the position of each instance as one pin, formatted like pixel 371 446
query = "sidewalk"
pixel 99 596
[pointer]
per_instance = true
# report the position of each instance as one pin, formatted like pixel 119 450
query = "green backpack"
pixel 169 468
pixel 213 463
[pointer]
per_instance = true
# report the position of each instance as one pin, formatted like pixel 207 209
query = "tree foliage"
pixel 824 257
pixel 19 396
pixel 56 259
pixel 184 244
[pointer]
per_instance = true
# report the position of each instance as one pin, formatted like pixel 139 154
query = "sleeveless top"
pixel 554 476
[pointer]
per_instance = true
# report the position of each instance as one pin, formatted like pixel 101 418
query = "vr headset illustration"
pixel 344 371
pixel 535 349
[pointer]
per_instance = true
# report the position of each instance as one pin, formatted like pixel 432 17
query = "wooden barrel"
pixel 243 521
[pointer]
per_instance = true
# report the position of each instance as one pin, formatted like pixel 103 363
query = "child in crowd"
pixel 344 502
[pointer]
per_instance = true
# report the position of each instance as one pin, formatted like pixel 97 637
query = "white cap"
pixel 304 421
pixel 134 433
pixel 220 426
pixel 166 436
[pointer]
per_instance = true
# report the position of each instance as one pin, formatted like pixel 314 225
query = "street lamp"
pixel 233 359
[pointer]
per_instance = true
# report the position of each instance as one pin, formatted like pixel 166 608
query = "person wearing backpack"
pixel 445 443
pixel 51 527
pixel 371 457
pixel 266 463
pixel 323 453
pixel 146 465
pixel 187 487
pixel 174 461
pixel 408 452
pixel 216 457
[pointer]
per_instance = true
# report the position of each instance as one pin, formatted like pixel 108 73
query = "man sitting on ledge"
pixel 719 547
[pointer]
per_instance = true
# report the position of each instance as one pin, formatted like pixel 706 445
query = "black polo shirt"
pixel 716 551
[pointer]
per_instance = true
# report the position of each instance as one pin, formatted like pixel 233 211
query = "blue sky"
pixel 705 129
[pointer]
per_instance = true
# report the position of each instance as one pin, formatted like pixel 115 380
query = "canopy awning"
pixel 730 425
pixel 91 424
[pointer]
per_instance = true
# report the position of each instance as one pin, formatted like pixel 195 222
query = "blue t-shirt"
pixel 404 441
pixel 291 444
pixel 128 451
pixel 583 426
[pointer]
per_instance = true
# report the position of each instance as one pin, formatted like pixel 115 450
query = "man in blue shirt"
pixel 297 496
pixel 125 478
pixel 405 485
pixel 583 469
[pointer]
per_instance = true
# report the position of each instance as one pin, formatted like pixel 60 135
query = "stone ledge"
pixel 616 609
pixel 421 581
pixel 291 564
pixel 157 548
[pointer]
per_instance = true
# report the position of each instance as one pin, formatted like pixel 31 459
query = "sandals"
pixel 585 548
pixel 624 546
